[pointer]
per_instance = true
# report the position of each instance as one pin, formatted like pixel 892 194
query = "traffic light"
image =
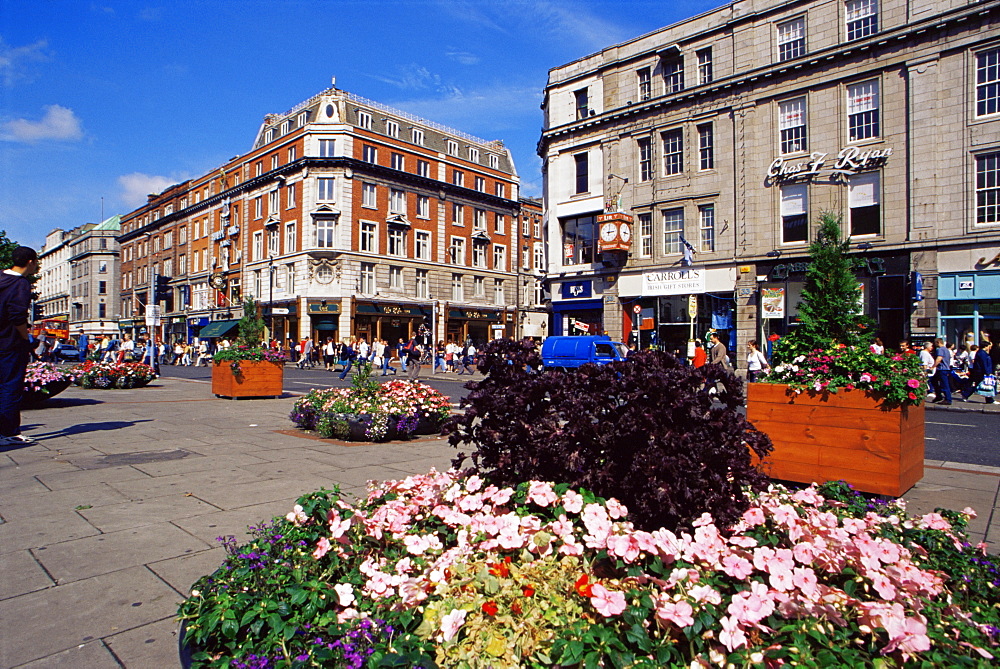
pixel 163 290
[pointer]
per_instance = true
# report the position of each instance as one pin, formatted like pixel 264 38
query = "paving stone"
pixel 949 478
pixel 197 462
pixel 114 517
pixel 27 505
pixel 181 572
pixel 105 553
pixel 92 655
pixel 85 477
pixel 153 645
pixel 180 484
pixel 41 623
pixel 252 493
pixel 21 574
pixel 235 521
pixel 41 530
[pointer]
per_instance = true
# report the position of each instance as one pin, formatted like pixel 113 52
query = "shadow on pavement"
pixel 83 428
pixel 60 403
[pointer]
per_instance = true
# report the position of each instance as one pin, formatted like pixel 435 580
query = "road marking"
pixel 930 422
pixel 931 438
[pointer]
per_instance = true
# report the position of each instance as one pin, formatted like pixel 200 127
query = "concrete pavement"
pixel 108 521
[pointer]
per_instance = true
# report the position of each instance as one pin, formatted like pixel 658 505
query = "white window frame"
pixel 326 188
pixel 863 110
pixel 364 120
pixel 326 233
pixel 423 169
pixel 672 143
pixel 327 148
pixel 705 73
pixel 860 19
pixel 258 245
pixel 457 288
pixel 499 258
pixel 396 242
pixel 794 204
pixel 645 228
pixel 417 136
pixel 479 255
pixel 672 232
pixel 793 125
pixel 423 207
pixel 987 180
pixel 395 277
pixel 290 196
pixel 644 83
pixel 392 129
pixel 494 161
pixel 289 237
pixel 366 279
pixel 398 162
pixel 452 147
pixel 422 245
pixel 422 284
pixel 499 297
pixel 368 237
pixel 706 225
pixel 499 224
pixel 456 251
pixel 457 214
pixel 988 82
pixel 397 201
pixel 479 219
pixel 369 195
pixel 369 154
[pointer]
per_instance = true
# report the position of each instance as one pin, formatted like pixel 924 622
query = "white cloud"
pixel 59 123
pixel 136 187
pixel 413 77
pixel 483 111
pixel 15 61
pixel 462 57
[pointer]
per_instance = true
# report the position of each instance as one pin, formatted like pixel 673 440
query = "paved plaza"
pixel 108 521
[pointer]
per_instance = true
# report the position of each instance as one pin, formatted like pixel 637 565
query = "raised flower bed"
pixel 43 380
pixel 248 369
pixel 443 570
pixel 369 411
pixel 111 375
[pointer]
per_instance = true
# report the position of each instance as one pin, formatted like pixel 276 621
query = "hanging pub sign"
pixel 850 160
pixel 615 232
pixel 772 302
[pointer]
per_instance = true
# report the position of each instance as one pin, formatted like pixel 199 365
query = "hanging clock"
pixel 218 281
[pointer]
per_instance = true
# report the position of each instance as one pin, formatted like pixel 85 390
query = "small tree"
pixel 7 247
pixel 830 311
pixel 251 326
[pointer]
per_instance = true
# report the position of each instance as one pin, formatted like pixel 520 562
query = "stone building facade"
pixel 720 140
pixel 347 218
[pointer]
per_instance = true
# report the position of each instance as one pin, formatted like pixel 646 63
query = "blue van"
pixel 571 352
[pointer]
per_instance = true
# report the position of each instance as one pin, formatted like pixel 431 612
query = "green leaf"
pixel 229 628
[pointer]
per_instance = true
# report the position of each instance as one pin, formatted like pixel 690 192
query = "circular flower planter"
pixel 106 376
pixel 35 396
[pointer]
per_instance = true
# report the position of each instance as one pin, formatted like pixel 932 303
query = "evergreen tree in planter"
pixel 249 343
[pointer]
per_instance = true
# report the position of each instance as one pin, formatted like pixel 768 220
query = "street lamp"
pixel 270 296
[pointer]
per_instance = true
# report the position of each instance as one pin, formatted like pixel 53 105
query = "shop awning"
pixel 217 329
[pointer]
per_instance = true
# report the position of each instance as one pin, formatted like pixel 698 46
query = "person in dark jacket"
pixel 982 366
pixel 15 344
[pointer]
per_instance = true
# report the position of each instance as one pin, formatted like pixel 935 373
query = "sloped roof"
pixel 113 223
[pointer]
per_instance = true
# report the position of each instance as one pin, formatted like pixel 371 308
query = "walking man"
pixel 82 342
pixel 942 373
pixel 15 346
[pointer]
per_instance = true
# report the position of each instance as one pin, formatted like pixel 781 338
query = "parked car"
pixel 68 352
pixel 572 352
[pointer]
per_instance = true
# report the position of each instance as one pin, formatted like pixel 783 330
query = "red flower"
pixel 583 587
pixel 911 396
pixel 490 608
pixel 499 569
pixel 527 590
pixel 516 608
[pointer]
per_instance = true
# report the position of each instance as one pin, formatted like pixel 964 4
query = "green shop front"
pixel 324 319
pixel 389 321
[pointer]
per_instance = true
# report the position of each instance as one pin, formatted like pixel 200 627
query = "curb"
pixel 961 409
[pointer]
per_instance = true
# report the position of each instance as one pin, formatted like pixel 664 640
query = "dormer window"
pixel 286 127
pixel 364 120
pixel 392 129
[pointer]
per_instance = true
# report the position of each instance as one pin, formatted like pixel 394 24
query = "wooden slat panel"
pixel 779 393
pixel 884 421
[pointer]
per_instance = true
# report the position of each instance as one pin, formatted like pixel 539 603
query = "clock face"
pixel 625 232
pixel 218 281
pixel 609 231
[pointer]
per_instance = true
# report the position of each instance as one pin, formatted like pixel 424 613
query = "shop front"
pixel 391 322
pixel 194 326
pixel 127 327
pixel 478 325
pixel 324 320
pixel 969 308
pixel 175 329
pixel 576 310
pixel 282 320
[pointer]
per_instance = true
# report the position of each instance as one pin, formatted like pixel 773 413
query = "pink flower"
pixel 754 516
pixel 607 602
pixel 322 548
pixel 935 521
pixel 296 515
pixel 737 567
pixel 572 501
pixel 345 594
pixel 616 509
pixel 679 613
pixel 731 636
pixel 913 383
pixel 451 623
pixel 541 493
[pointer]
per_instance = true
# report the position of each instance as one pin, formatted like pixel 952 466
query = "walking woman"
pixel 756 362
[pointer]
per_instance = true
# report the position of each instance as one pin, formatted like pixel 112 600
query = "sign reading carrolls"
pixel 674 282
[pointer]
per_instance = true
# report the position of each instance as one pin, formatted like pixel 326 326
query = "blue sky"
pixel 115 100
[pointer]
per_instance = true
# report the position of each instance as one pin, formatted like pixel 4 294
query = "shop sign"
pixel 966 285
pixel 482 315
pixel 850 160
pixel 674 282
pixel 872 264
pixel 772 302
pixel 577 290
pixel 279 311
pixel 324 308
pixel 580 325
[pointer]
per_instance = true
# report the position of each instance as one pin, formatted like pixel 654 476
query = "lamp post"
pixel 270 297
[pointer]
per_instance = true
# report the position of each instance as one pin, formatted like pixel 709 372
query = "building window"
pixel 324 232
pixel 397 201
pixel 417 136
pixel 479 219
pixel 499 190
pixel 397 242
pixel 673 230
pixel 369 196
pixel 367 278
pixel 286 126
pixel 369 154
pixel 274 162
pixel 646 235
pixel 645 159
pixel 478 287
pixel 457 251
pixel 272 242
pixel 494 161
pixel 102 310
pixel 326 148
pixel 862 110
pixel 181 265
pixel 457 288
pixel 392 129
pixel 498 296
pixel 478 254
pixel 988 82
pixel 258 207
pixel 102 287
pixel 422 245
pixel 457 214
pixel 168 239
pixel 792 124
pixel 182 235
pixel 704 65
pixel 582 173
pixel 289 238
pixel 706 221
pixel 258 245
pixel 398 162
pixel 423 168
pixel 395 278
pixel 290 278
pixel 578 240
pixel 457 177
pixel 257 284
pixel 794 213
pixel 302 119
pixel 272 202
pixel 423 284
pixel 862 18
pixel 452 147
pixel 269 135
pixel 673 75
pixel 324 189
pixel 539 258
pixel 102 267
pixel 423 206
pixel 291 154
pixel 481 184
pixel 473 154
pixel 364 120
pixel 290 196
pixel 706 147
pixel 673 152
pixel 988 189
pixel 581 101
pixel 644 78
pixel 499 224
pixel 500 258
pixel 863 198
pixel 368 238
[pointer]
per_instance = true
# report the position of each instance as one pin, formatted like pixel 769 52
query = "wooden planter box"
pixel 257 378
pixel 820 437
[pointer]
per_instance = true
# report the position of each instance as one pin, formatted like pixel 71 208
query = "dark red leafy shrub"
pixel 640 431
